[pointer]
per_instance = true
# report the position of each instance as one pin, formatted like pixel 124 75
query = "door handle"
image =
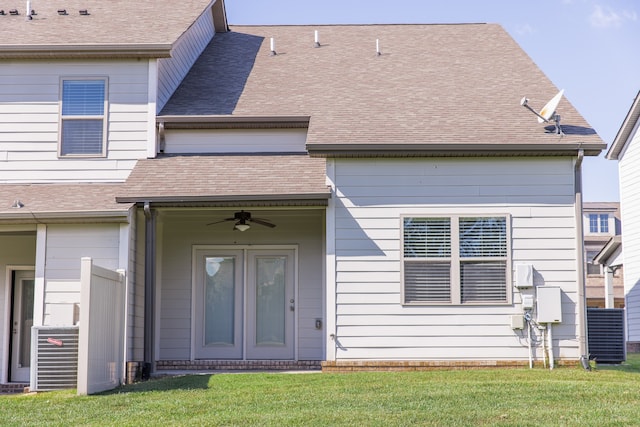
pixel 291 306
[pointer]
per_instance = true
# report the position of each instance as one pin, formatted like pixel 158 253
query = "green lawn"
pixel 608 396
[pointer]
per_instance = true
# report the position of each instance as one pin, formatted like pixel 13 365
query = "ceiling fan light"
pixel 242 227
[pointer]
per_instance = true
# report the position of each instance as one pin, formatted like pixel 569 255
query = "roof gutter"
pixel 232 122
pixel 84 51
pixel 51 217
pixel 447 150
pixel 316 199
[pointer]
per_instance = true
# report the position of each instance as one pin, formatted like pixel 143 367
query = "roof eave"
pixel 231 122
pixel 629 123
pixel 448 150
pixel 119 215
pixel 67 51
pixel 308 199
pixel 609 248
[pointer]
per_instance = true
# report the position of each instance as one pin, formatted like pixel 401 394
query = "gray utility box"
pixel 549 304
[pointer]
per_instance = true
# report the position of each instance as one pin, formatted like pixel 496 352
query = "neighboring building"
pixel 319 203
pixel 601 224
pixel 626 150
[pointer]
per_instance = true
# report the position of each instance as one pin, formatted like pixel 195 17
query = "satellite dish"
pixel 548 112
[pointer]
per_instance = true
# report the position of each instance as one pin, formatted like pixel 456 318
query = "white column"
pixel 608 287
pixel 330 298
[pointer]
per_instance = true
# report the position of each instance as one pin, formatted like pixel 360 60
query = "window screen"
pixel 483 252
pixel 427 266
pixel 83 119
pixel 469 266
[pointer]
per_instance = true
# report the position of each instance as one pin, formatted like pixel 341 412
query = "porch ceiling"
pixel 60 202
pixel 221 180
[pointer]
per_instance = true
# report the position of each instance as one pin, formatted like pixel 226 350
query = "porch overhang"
pixel 61 203
pixel 220 180
pixel 271 200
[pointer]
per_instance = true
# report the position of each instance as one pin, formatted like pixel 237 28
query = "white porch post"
pixel 330 331
pixel 608 286
pixel 41 252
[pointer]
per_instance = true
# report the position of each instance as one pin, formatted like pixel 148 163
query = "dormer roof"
pixel 439 89
pixel 93 28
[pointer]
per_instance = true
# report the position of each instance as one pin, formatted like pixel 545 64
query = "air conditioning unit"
pixel 54 361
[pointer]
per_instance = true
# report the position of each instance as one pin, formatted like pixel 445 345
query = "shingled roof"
pixel 221 180
pixel 438 88
pixel 50 201
pixel 107 28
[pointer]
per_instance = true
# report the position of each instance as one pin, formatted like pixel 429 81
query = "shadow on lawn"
pixel 631 365
pixel 183 382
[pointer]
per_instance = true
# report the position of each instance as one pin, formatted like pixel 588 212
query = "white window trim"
pixel 610 224
pixel 103 117
pixel 456 294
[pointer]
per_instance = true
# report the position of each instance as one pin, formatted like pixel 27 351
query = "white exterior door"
pixel 244 304
pixel 21 323
pixel 218 304
pixel 270 304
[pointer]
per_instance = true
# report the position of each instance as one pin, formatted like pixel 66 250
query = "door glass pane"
pixel 26 321
pixel 219 301
pixel 270 301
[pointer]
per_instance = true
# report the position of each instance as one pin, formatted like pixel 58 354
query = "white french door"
pixel 21 323
pixel 244 304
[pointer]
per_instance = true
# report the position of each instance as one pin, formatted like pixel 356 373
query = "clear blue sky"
pixel 589 48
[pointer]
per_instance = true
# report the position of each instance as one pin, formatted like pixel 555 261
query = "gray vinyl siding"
pixel 29 121
pixel 537 195
pixel 630 206
pixel 235 141
pixel 185 51
pixel 303 228
pixel 66 245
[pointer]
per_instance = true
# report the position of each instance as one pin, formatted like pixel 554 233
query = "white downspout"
pixel 582 310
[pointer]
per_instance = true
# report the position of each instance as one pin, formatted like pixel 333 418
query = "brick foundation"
pixel 238 365
pixel 13 388
pixel 420 365
pixel 633 347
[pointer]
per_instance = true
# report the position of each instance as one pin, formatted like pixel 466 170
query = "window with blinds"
pixel 83 122
pixel 427 255
pixel 455 260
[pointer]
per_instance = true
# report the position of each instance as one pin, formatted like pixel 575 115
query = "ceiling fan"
pixel 243 219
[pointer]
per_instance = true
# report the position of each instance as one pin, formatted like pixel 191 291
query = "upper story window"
pixel 592 267
pixel 599 223
pixel 455 260
pixel 83 121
